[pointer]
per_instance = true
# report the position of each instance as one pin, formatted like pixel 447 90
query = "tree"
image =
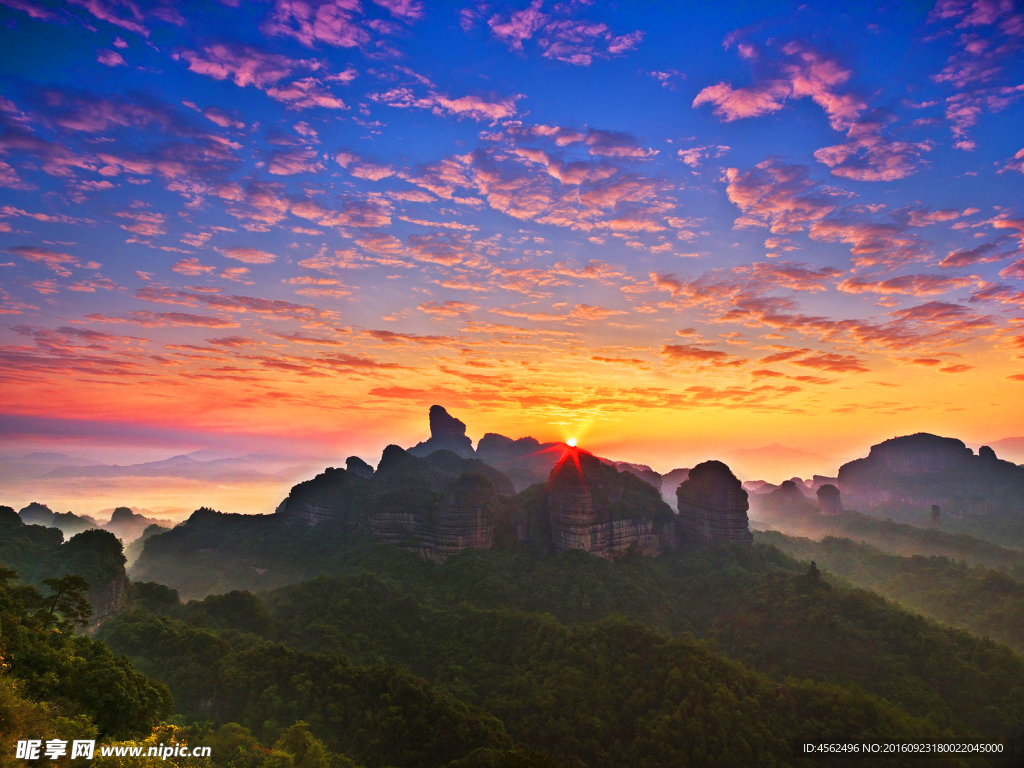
pixel 68 601
pixel 306 750
pixel 6 575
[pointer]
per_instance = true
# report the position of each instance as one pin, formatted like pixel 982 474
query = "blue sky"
pixel 670 227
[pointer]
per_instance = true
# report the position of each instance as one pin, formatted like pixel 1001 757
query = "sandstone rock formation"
pixel 670 482
pixel 436 501
pixel 713 505
pixel 128 525
pixel 357 466
pixel 919 470
pixel 594 507
pixel 98 557
pixel 789 498
pixel 819 480
pixel 434 505
pixel 334 496
pixel 68 522
pixel 642 471
pixel 758 486
pixel 107 599
pixel 829 500
pixel 446 433
pixel 525 461
pixel 133 550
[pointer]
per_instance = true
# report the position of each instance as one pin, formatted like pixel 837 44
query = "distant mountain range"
pixel 779 462
pixel 1009 448
pixel 199 465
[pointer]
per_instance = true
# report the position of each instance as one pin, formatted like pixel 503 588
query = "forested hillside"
pixel 897 538
pixel 39 553
pixel 987 602
pixel 619 670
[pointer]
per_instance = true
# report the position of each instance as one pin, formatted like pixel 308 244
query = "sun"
pixel 571 442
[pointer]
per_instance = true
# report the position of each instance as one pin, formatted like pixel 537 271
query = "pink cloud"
pixel 55 261
pixel 305 93
pixel 473 106
pixel 695 155
pixel 868 156
pixel 478 107
pixel 219 117
pixel 1015 270
pixel 872 243
pixel 334 22
pixel 979 254
pixel 249 255
pixel 110 58
pixel 791 275
pixel 244 65
pixel 295 161
pixel 191 267
pixel 908 285
pixel 573 41
pixel 691 354
pixel 808 74
pixel 120 13
pixel 777 195
pixel 409 10
pixel 148 319
pixel 520 26
pixel 448 308
pixel 1016 164
pixel 979 58
pixel 34 10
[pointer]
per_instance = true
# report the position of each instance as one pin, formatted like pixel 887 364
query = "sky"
pixel 666 229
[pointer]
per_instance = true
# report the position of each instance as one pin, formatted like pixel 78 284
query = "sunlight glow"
pixel 571 442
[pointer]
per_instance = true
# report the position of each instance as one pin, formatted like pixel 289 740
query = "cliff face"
pixel 830 501
pixel 67 522
pixel 434 506
pixel 331 497
pixel 642 471
pixel 596 508
pixel 446 434
pixel 464 517
pixel 437 502
pixel 670 482
pixel 107 599
pixel 920 470
pixel 524 461
pixel 128 526
pixel 713 505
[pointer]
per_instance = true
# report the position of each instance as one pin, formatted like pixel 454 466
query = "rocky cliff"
pixel 525 461
pixel 433 505
pixel 127 525
pixel 68 522
pixel 465 517
pixel 106 599
pixel 594 507
pixel 791 497
pixel 670 482
pixel 446 434
pixel 919 470
pixel 357 466
pixel 642 471
pixel 713 505
pixel 830 501
pixel 435 501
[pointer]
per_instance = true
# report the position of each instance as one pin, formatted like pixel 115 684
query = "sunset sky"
pixel 665 229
